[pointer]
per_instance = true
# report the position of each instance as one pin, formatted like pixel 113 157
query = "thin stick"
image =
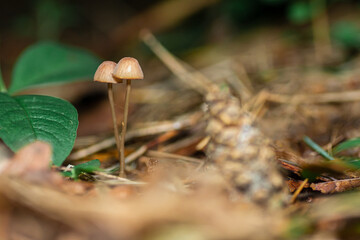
pixel 186 142
pixel 113 113
pixel 193 78
pixel 345 96
pixel 182 122
pixel 123 132
pixel 135 155
pixel 157 154
pixel 320 28
pixel 297 192
pixel 140 151
pixel 125 180
pixel 203 143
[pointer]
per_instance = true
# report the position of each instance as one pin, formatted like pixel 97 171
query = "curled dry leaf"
pixel 32 163
pixel 293 185
pixel 327 187
pixel 109 216
pixel 336 186
pixel 291 167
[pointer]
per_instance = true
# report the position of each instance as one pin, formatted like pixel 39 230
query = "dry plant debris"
pixel 70 208
pixel 239 149
pixel 174 190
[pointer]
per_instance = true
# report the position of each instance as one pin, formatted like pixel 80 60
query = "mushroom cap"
pixel 104 73
pixel 128 68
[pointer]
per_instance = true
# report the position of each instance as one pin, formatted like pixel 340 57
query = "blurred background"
pixel 260 36
pixel 292 63
pixel 110 28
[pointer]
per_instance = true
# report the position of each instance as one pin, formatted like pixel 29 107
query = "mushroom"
pixel 104 74
pixel 127 69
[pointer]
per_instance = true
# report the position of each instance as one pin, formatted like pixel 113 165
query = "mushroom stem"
pixel 123 132
pixel 113 113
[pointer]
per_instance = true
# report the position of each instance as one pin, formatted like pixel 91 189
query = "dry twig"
pixel 181 123
pixel 297 192
pixel 174 156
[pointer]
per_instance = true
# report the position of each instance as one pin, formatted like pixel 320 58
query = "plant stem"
pixel 317 148
pixel 320 28
pixel 113 113
pixel 2 84
pixel 123 132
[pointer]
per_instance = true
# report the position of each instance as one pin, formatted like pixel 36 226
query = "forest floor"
pixel 298 99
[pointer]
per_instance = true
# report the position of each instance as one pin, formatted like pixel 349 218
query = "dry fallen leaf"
pixel 336 186
pixel 328 187
pixel 32 163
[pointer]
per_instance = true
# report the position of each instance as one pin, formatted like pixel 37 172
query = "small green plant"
pixel 353 162
pixel 28 118
pixel 301 12
pixel 317 148
pixel 88 167
pixel 346 34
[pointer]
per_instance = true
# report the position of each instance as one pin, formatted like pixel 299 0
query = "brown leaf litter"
pixel 102 214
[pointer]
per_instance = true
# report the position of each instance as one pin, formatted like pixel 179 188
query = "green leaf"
pixel 273 1
pixel 346 34
pixel 353 162
pixel 309 174
pixel 299 12
pixel 50 63
pixel 28 118
pixel 67 174
pixel 88 167
pixel 317 148
pixel 298 227
pixel 2 84
pixel 351 143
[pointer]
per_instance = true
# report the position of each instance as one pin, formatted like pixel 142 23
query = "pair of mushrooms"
pixel 111 73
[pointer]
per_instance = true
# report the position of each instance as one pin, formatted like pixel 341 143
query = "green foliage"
pixel 297 228
pixel 317 148
pixel 52 16
pixel 239 10
pixel 310 174
pixel 346 34
pixel 88 167
pixel 351 143
pixel 49 63
pixel 352 162
pixel 299 12
pixel 2 84
pixel 29 118
pixel 45 19
pixel 273 1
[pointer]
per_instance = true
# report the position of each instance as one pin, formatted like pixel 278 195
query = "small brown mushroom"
pixel 104 74
pixel 127 69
